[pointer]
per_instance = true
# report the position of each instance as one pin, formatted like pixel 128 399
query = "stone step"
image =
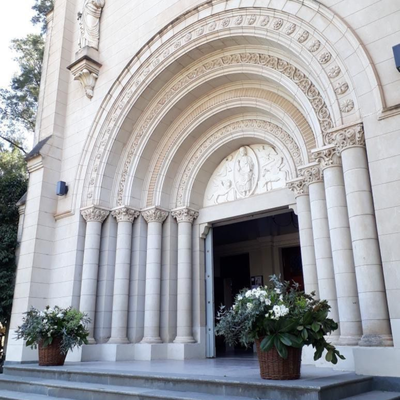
pixel 376 395
pixel 54 389
pixel 327 388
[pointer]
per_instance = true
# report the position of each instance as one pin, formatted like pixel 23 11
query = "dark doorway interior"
pixel 292 266
pixel 234 275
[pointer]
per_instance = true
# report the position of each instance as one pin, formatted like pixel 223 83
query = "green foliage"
pixel 41 8
pixel 44 326
pixel 13 183
pixel 282 316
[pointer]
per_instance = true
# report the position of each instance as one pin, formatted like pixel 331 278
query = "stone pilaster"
pixel 119 325
pixel 313 177
pixel 185 217
pixel 342 252
pixel 94 217
pixel 350 142
pixel 154 217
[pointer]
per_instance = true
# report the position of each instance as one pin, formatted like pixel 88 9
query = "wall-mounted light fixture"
pixel 396 53
pixel 62 188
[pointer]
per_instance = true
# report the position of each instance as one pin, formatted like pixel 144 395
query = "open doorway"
pixel 246 253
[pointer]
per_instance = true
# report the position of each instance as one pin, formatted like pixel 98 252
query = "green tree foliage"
pixel 13 184
pixel 41 8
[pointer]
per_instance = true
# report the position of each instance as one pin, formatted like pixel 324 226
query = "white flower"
pixel 60 315
pixel 277 290
pixel 268 302
pixel 240 297
pixel 280 297
pixel 284 310
pixel 249 306
pixel 248 293
pixel 262 299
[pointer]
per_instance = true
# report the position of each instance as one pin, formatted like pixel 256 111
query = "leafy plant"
pixel 282 316
pixel 44 326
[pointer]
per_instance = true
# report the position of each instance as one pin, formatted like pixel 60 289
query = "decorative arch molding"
pixel 204 23
pixel 253 95
pixel 252 128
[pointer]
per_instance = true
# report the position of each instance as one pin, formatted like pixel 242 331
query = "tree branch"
pixel 13 143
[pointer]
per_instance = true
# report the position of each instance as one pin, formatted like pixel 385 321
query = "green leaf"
pixel 289 325
pixel 304 334
pixel 315 326
pixel 296 341
pixel 267 343
pixel 329 356
pixel 308 317
pixel 281 348
pixel 284 338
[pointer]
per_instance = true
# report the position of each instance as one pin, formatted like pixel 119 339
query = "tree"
pixel 42 7
pixel 13 184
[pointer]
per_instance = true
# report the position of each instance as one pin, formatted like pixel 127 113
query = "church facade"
pixel 194 134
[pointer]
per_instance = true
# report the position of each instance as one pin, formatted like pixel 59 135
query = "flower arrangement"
pixel 282 316
pixel 42 327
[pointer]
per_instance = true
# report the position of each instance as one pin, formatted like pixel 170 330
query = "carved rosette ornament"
pixel 327 156
pixel 311 173
pixel 155 214
pixel 298 187
pixel 125 214
pixel 94 214
pixel 185 215
pixel 347 137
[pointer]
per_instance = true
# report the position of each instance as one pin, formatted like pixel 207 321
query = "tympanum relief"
pixel 250 170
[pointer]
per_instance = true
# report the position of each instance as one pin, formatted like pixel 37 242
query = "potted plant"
pixel 280 319
pixel 55 331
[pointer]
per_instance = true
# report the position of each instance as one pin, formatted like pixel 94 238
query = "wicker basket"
pixel 272 366
pixel 51 355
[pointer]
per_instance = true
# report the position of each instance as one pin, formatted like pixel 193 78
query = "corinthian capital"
pixel 185 214
pixel 352 135
pixel 154 214
pixel 327 156
pixel 298 187
pixel 125 214
pixel 94 214
pixel 311 173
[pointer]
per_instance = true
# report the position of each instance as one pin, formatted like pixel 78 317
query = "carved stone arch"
pixel 188 28
pixel 245 130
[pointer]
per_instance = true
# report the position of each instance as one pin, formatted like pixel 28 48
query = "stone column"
pixel 119 325
pixel 154 217
pixel 342 251
pixel 350 142
pixel 94 217
pixel 185 218
pixel 312 175
pixel 306 235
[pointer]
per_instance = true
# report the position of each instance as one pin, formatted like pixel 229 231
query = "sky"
pixel 14 23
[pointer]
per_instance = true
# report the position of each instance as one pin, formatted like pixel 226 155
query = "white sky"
pixel 14 23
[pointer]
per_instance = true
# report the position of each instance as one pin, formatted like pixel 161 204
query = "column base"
pixel 91 340
pixel 348 340
pixel 184 339
pixel 373 340
pixel 333 339
pixel 118 341
pixel 151 340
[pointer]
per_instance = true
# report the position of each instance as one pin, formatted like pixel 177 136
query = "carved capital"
pixel 327 156
pixel 185 214
pixel 154 214
pixel 94 214
pixel 311 173
pixel 125 214
pixel 346 137
pixel 298 187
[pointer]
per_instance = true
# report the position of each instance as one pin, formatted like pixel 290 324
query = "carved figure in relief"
pixel 245 169
pixel 225 188
pixel 89 23
pixel 271 169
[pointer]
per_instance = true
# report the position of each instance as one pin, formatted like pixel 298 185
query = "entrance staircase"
pixel 33 383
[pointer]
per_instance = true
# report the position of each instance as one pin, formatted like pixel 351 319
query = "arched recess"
pixel 306 32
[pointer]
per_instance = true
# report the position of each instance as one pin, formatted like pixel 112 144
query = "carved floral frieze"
pixel 347 137
pixel 298 187
pixel 327 156
pixel 311 173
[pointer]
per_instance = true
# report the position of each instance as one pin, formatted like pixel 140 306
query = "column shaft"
pixel 367 259
pixel 307 244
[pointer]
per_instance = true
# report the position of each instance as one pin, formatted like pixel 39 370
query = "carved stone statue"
pixel 245 169
pixel 89 23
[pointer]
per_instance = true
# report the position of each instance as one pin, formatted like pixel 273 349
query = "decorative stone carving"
pixel 250 170
pixel 347 106
pixel 290 29
pixel 125 214
pixel 327 156
pixel 334 71
pixel 303 36
pixel 94 214
pixel 298 186
pixel 311 173
pixel 341 88
pixel 252 19
pixel 314 46
pixel 239 20
pixel 154 214
pixel 264 21
pixel 185 214
pixel 325 57
pixel 347 137
pixel 89 23
pixel 277 24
